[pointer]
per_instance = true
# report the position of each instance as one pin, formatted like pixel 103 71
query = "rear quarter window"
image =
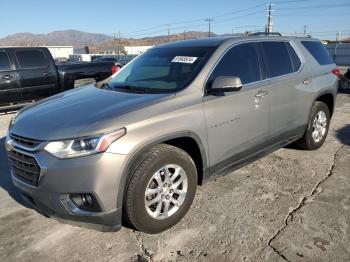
pixel 31 59
pixel 295 58
pixel 318 51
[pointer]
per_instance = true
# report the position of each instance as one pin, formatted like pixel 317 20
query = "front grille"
pixel 25 142
pixel 24 167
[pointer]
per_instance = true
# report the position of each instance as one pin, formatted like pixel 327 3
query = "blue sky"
pixel 149 17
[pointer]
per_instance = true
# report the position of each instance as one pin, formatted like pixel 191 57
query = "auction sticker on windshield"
pixel 184 59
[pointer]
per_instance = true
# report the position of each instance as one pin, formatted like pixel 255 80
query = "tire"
pixel 309 141
pixel 150 173
pixel 346 87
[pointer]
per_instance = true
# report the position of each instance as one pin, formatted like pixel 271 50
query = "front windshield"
pixel 162 69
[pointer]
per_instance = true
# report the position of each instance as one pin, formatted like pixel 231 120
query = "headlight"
pixel 83 146
pixel 13 120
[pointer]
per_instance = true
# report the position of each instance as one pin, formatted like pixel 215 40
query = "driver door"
pixel 238 121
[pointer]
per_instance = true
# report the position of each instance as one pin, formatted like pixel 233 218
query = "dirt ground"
pixel 292 205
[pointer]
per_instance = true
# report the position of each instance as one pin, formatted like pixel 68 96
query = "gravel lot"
pixel 291 205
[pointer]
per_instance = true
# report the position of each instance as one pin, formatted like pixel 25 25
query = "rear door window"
pixel 240 61
pixel 31 59
pixel 5 64
pixel 276 58
pixel 318 51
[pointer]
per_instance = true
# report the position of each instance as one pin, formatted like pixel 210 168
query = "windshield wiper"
pixel 132 88
pixel 106 85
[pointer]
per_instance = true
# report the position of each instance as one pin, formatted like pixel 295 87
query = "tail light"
pixel 114 69
pixel 336 71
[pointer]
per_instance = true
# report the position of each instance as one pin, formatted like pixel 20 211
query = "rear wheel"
pixel 161 190
pixel 318 127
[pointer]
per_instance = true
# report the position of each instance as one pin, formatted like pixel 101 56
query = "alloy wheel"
pixel 166 191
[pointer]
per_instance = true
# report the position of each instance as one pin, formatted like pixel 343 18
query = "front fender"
pixel 137 152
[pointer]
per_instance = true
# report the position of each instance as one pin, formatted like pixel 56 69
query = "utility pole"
pixel 305 29
pixel 209 20
pixel 168 29
pixel 268 28
pixel 337 36
pixel 119 42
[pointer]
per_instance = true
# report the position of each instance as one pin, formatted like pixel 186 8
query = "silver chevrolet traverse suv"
pixel 135 148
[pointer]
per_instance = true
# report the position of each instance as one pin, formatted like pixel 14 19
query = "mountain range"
pixel 80 39
pixel 97 41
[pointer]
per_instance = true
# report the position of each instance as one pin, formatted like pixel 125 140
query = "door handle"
pixel 261 94
pixel 7 77
pixel 307 81
pixel 45 73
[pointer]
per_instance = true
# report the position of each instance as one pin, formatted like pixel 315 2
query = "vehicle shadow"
pixel 5 176
pixel 343 134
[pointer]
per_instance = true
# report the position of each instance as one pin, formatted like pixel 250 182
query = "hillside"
pixel 80 39
pixel 66 37
pixel 147 41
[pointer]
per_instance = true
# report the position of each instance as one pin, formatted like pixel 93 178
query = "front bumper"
pixel 98 175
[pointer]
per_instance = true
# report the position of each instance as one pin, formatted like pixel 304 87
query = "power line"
pixel 239 11
pixel 291 1
pixel 282 15
pixel 237 17
pixel 225 18
pixel 315 7
pixel 198 25
pixel 193 20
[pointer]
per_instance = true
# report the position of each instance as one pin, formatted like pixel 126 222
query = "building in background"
pixel 136 50
pixel 60 51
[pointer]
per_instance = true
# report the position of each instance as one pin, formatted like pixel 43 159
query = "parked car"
pixel 177 116
pixel 345 81
pixel 28 74
pixel 61 60
pixel 115 60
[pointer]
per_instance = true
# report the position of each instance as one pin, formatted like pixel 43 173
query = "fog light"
pixel 87 200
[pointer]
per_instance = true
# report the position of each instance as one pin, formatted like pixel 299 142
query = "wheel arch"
pixel 177 139
pixel 327 98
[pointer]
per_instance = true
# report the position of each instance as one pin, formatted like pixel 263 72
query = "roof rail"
pixel 265 34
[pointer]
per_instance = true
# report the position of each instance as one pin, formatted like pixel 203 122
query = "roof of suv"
pixel 216 41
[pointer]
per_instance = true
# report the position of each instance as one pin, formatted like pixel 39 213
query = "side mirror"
pixel 225 84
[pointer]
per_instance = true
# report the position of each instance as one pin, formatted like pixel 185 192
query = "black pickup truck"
pixel 30 73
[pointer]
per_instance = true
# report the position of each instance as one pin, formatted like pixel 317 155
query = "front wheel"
pixel 318 127
pixel 161 189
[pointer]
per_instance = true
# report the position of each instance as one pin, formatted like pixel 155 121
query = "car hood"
pixel 75 113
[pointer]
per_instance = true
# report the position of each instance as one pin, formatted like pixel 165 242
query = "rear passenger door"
pixel 9 89
pixel 37 77
pixel 282 69
pixel 237 122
